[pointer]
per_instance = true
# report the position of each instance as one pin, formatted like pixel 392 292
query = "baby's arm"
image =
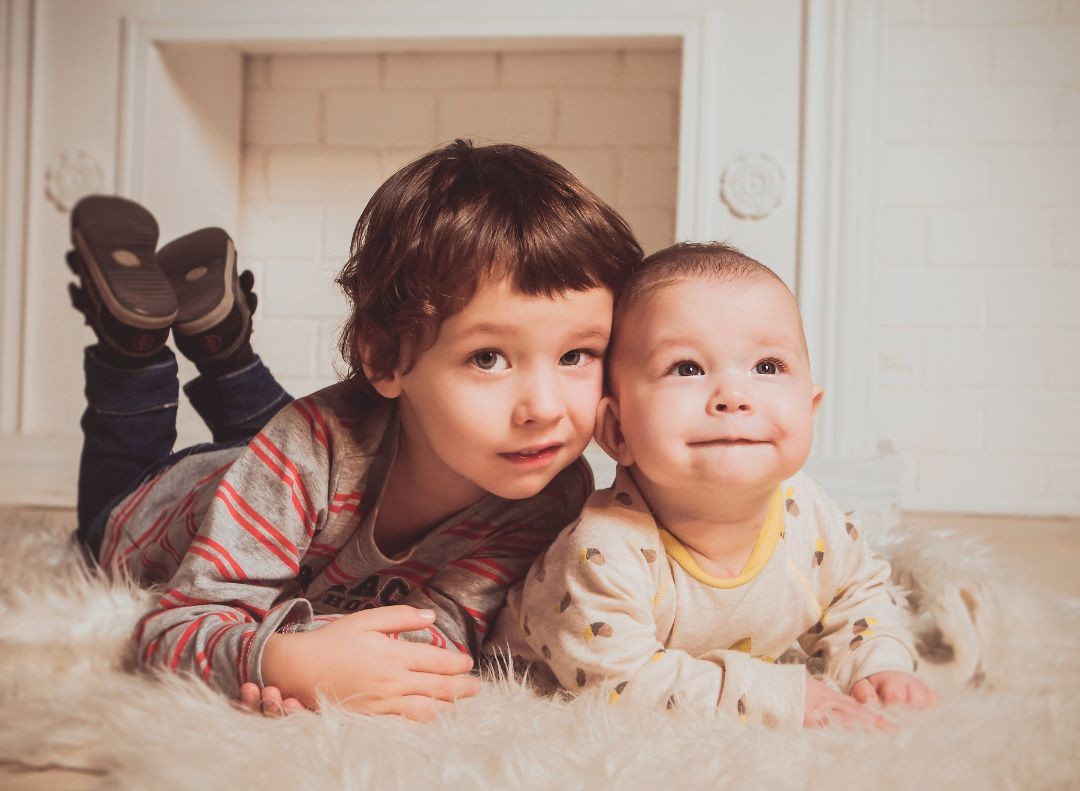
pixel 860 633
pixel 588 610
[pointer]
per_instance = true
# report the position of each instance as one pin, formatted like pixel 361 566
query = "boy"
pixel 481 283
pixel 712 553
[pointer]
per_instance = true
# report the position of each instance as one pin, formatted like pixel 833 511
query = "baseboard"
pixel 38 469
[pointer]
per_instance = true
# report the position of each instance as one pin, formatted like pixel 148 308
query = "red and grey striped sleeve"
pixel 218 609
pixel 468 592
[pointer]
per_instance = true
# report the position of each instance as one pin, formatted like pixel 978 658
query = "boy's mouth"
pixel 532 456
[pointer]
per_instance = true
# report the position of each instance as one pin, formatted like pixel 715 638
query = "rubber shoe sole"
pixel 201 268
pixel 214 316
pixel 115 239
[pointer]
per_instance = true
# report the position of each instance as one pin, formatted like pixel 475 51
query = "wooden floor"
pixel 1047 551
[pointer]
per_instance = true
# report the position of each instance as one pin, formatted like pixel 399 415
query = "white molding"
pixel 135 51
pixel 16 55
pixel 693 202
pixel 697 118
pixel 40 468
pixel 837 254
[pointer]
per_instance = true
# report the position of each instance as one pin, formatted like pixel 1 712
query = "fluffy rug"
pixel 1004 657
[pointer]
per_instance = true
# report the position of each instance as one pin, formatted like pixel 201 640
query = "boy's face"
pixel 506 396
pixel 712 384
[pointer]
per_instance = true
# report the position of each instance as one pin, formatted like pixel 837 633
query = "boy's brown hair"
pixel 461 214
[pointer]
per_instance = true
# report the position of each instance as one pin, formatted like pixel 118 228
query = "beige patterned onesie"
pixel 618 602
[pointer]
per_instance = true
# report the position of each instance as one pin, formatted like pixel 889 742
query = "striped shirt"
pixel 278 536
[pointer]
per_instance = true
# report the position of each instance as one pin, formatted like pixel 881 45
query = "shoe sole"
pixel 201 268
pixel 116 239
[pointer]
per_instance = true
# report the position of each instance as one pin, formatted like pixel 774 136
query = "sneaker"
pixel 215 302
pixel 124 296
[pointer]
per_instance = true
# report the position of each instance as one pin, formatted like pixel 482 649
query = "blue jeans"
pixel 129 427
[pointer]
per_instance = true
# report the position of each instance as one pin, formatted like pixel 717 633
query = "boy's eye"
pixel 688 368
pixel 769 367
pixel 576 357
pixel 489 360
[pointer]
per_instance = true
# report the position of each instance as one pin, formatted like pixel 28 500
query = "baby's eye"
pixel 770 366
pixel 687 368
pixel 489 360
pixel 577 357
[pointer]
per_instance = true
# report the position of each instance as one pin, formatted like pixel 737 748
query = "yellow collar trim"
pixel 763 549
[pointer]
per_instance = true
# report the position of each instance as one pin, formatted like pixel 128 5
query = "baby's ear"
pixel 608 435
pixel 816 394
pixel 387 386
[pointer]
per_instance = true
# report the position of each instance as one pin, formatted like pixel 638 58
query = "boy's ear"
pixel 608 435
pixel 816 394
pixel 388 386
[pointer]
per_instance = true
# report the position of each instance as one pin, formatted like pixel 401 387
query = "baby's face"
pixel 713 385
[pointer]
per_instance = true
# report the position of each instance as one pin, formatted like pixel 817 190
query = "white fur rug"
pixel 68 699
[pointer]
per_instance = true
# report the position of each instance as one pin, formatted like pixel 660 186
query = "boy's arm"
pixel 588 609
pixel 468 593
pixel 218 610
pixel 860 631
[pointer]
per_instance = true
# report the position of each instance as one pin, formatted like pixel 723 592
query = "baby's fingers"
pixel 855 716
pixel 864 692
pixel 921 696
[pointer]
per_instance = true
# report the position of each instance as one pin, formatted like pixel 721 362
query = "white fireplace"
pixel 731 115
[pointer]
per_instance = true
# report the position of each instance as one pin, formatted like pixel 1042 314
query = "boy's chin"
pixel 521 484
pixel 520 489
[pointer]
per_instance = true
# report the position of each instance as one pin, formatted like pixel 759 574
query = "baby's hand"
pixel 268 701
pixel 893 686
pixel 825 706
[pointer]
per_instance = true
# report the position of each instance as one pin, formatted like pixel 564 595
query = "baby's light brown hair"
pixel 685 261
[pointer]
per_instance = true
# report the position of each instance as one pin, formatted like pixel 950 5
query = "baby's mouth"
pixel 728 441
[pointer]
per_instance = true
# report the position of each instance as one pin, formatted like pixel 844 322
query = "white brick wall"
pixel 980 268
pixel 321 132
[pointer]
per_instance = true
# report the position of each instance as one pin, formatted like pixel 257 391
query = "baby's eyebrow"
pixel 594 334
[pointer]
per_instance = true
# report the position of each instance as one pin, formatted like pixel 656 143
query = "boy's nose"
pixel 540 403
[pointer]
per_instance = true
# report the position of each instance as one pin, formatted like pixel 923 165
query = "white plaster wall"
pixel 321 132
pixel 980 254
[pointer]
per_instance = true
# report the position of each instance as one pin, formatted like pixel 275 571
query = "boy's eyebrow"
pixel 597 333
pixel 487 329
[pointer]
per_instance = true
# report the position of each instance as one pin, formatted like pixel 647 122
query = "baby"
pixel 712 553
